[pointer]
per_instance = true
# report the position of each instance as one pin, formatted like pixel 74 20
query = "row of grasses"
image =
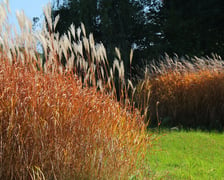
pixel 60 120
pixel 185 93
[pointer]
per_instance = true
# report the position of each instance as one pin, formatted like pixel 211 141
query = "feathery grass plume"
pixel 131 56
pixel 4 14
pixel 118 53
pixel 72 30
pixel 83 29
pixel 47 13
pixel 78 32
pixel 53 125
pixel 56 21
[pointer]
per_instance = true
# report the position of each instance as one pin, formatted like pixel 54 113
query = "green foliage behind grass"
pixel 189 155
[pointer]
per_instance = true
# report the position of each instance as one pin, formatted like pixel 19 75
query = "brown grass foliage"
pixel 189 94
pixel 52 127
pixel 55 124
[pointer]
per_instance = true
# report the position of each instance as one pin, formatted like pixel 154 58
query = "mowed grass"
pixel 189 155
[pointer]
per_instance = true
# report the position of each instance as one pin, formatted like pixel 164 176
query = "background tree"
pixel 193 27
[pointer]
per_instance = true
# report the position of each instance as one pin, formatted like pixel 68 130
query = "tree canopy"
pixel 193 27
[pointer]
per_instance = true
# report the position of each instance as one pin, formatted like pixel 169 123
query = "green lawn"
pixel 189 155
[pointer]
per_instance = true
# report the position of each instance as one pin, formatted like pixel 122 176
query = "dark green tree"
pixel 193 27
pixel 75 12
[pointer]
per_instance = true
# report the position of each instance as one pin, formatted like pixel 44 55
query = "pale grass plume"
pixel 85 65
pixel 80 48
pixel 131 55
pixel 100 85
pixel 83 29
pixel 91 41
pixel 72 30
pixel 98 54
pixel 78 32
pixel 9 56
pixel 69 37
pixel 116 65
pixel 70 63
pixel 130 84
pixel 102 72
pixel 56 43
pixel 121 71
pixel 92 47
pixel 47 13
pixel 86 44
pixel 111 73
pixel 4 13
pixel 118 53
pixel 56 21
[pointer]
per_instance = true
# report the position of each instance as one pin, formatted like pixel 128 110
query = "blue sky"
pixel 32 8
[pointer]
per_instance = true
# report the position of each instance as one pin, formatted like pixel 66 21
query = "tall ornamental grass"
pixel 185 93
pixel 60 120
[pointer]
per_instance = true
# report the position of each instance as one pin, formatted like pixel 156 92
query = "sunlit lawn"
pixel 189 155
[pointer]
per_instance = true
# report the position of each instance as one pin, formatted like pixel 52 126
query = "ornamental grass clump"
pixel 51 127
pixel 184 93
pixel 57 120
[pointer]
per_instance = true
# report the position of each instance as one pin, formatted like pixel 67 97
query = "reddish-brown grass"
pixel 55 123
pixel 51 127
pixel 189 94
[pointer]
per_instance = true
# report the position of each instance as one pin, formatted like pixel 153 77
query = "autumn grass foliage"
pixel 59 122
pixel 185 93
pixel 51 127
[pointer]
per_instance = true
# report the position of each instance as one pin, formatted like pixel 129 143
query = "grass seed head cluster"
pixel 55 123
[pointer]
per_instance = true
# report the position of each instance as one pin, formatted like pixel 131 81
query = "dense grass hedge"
pixel 183 93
